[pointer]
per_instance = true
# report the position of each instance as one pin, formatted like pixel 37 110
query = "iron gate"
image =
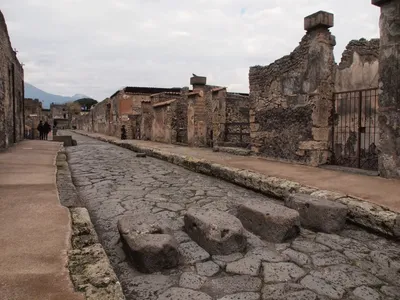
pixel 355 129
pixel 237 133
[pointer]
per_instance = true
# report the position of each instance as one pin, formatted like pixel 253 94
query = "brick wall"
pixel 11 91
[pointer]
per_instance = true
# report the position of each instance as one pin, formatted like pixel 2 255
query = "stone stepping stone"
pixel 216 231
pixel 274 223
pixel 148 242
pixel 317 213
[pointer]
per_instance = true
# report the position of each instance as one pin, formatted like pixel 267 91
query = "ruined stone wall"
pixel 33 115
pixel 180 123
pixel 291 99
pixel 358 68
pixel 147 121
pixel 11 91
pixel 162 117
pixel 219 116
pixel 197 119
pixel 389 84
pixel 237 120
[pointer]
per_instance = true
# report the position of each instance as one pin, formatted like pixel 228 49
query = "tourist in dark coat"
pixel 40 128
pixel 46 129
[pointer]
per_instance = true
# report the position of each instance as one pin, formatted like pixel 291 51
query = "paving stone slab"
pixel 192 253
pixel 347 276
pixel 208 268
pixel 219 287
pixel 323 259
pixel 273 222
pixel 297 257
pixel 280 290
pixel 318 213
pixel 217 232
pixel 308 246
pixel 321 287
pixel 340 243
pixel 191 281
pixel 281 272
pixel 267 254
pixel 246 266
pixel 223 260
pixel 366 293
pixel 242 296
pixel 183 294
pixel 391 291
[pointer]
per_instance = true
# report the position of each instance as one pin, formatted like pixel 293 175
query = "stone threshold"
pixel 90 269
pixel 366 214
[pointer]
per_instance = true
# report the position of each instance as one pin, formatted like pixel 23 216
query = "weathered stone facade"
pixel 11 91
pixel 61 115
pixel 291 99
pixel 389 84
pixel 33 115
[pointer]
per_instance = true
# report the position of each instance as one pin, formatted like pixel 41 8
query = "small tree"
pixel 74 108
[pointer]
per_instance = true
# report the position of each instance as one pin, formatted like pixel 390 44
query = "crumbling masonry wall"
pixel 389 84
pixel 291 99
pixel 11 91
pixel 33 115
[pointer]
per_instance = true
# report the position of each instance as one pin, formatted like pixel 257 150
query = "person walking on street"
pixel 41 131
pixel 46 129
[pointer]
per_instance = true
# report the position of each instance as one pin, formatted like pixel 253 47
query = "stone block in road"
pixel 142 224
pixel 152 252
pixel 317 213
pixel 216 231
pixel 148 242
pixel 273 222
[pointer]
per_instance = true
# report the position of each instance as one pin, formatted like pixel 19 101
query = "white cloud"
pixel 96 46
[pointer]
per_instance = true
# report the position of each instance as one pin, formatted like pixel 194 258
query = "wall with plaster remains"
pixel 291 99
pixel 11 91
pixel 358 68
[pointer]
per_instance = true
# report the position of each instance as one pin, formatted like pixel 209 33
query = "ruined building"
pixel 305 108
pixel 11 91
pixel 302 108
pixel 33 115
pixel 203 116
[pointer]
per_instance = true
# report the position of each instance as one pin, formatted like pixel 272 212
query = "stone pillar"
pixel 389 84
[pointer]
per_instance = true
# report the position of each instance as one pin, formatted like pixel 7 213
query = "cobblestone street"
pixel 113 182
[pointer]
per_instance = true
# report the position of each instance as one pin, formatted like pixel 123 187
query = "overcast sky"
pixel 95 47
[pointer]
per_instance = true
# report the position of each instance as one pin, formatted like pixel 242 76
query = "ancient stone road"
pixel 113 182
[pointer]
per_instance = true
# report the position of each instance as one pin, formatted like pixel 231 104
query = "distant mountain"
pixel 47 98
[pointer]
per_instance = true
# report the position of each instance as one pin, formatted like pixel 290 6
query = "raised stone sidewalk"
pixel 373 202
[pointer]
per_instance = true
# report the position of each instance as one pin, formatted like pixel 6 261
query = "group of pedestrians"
pixel 44 130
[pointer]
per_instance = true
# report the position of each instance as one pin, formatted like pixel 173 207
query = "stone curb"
pixel 369 215
pixel 88 264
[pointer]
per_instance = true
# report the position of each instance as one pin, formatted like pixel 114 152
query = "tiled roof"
pixel 145 90
pixel 164 103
